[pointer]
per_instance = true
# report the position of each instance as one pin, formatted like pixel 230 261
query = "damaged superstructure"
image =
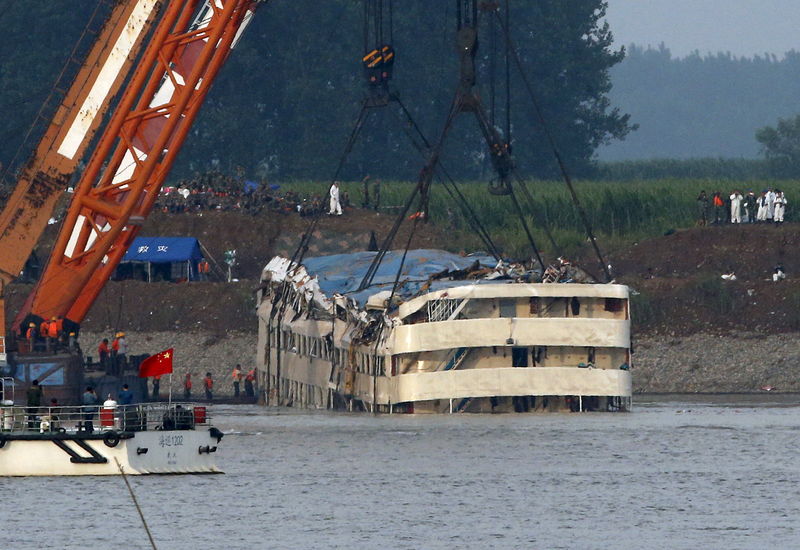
pixel 446 333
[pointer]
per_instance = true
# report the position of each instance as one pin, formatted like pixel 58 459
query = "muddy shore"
pixel 736 362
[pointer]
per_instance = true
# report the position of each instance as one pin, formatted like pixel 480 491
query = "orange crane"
pixel 135 151
pixel 46 175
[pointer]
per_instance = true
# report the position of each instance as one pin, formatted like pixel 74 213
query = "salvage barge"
pixel 146 438
pixel 458 334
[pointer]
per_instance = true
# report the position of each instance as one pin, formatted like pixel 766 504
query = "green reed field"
pixel 620 212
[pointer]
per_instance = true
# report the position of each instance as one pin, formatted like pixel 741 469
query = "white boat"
pixel 148 438
pixel 462 334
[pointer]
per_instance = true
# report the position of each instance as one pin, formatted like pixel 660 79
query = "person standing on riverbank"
pixel 187 386
pixel 702 210
pixel 237 379
pixel 208 384
pixel 750 207
pixel 719 206
pixel 736 207
pixel 780 206
pixel 336 206
pixel 249 381
pixel 763 208
pixel 770 204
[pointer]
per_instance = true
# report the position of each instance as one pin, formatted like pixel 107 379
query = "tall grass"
pixel 620 212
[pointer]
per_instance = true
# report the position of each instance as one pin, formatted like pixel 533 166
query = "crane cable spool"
pixel 465 100
pixel 378 60
pixel 378 57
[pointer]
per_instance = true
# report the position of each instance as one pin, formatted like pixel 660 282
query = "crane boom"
pixel 135 152
pixel 80 113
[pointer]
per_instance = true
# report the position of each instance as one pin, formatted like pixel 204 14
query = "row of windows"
pixel 443 309
pixel 320 347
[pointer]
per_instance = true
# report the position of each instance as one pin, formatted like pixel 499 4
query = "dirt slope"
pixel 679 278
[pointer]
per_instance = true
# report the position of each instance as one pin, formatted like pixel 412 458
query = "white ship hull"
pixel 167 452
pixel 149 438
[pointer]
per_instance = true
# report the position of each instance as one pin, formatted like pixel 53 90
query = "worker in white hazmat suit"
pixel 780 206
pixel 761 202
pixel 770 204
pixel 336 206
pixel 736 207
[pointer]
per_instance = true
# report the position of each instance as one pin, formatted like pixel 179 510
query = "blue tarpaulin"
pixel 342 273
pixel 163 250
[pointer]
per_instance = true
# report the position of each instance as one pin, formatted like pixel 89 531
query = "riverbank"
pixel 738 362
pixel 742 362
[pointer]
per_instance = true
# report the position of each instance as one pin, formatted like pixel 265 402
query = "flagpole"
pixel 169 402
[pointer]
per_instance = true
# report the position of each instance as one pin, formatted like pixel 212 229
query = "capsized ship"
pixel 449 334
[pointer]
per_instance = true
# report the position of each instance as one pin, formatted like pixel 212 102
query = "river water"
pixel 677 472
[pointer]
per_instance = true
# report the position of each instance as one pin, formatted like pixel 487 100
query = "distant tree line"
pixel 285 102
pixel 701 106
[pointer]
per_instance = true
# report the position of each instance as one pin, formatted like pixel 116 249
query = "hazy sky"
pixel 743 27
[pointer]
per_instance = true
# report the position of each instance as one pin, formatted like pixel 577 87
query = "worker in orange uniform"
pixel 208 384
pixel 103 354
pixel 60 330
pixel 31 335
pixel 52 334
pixel 119 352
pixel 249 380
pixel 237 379
pixel 187 386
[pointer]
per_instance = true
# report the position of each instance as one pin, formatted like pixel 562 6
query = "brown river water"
pixel 677 472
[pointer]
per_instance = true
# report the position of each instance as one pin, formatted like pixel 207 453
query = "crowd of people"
pixel 113 358
pixel 237 376
pixel 51 336
pixel 767 207
pixel 214 191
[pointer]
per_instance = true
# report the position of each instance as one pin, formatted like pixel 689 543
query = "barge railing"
pixel 124 418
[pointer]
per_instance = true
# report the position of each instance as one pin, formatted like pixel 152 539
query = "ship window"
pixel 614 304
pixel 519 357
pixel 508 308
pixel 575 306
pixel 535 305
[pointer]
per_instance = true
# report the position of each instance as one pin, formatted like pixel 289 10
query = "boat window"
pixel 535 305
pixel 519 357
pixel 508 307
pixel 575 306
pixel 614 304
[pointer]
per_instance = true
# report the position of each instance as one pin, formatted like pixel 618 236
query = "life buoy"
pixel 111 439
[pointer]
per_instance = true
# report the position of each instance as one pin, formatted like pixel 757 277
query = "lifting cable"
pixel 556 153
pixel 373 12
pixel 494 24
pixel 444 178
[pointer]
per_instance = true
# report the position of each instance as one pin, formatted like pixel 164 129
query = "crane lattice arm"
pixel 133 156
pixel 41 182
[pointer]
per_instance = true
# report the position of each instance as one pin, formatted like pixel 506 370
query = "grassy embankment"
pixel 620 212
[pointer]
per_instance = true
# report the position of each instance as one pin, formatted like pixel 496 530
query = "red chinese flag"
pixel 160 363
